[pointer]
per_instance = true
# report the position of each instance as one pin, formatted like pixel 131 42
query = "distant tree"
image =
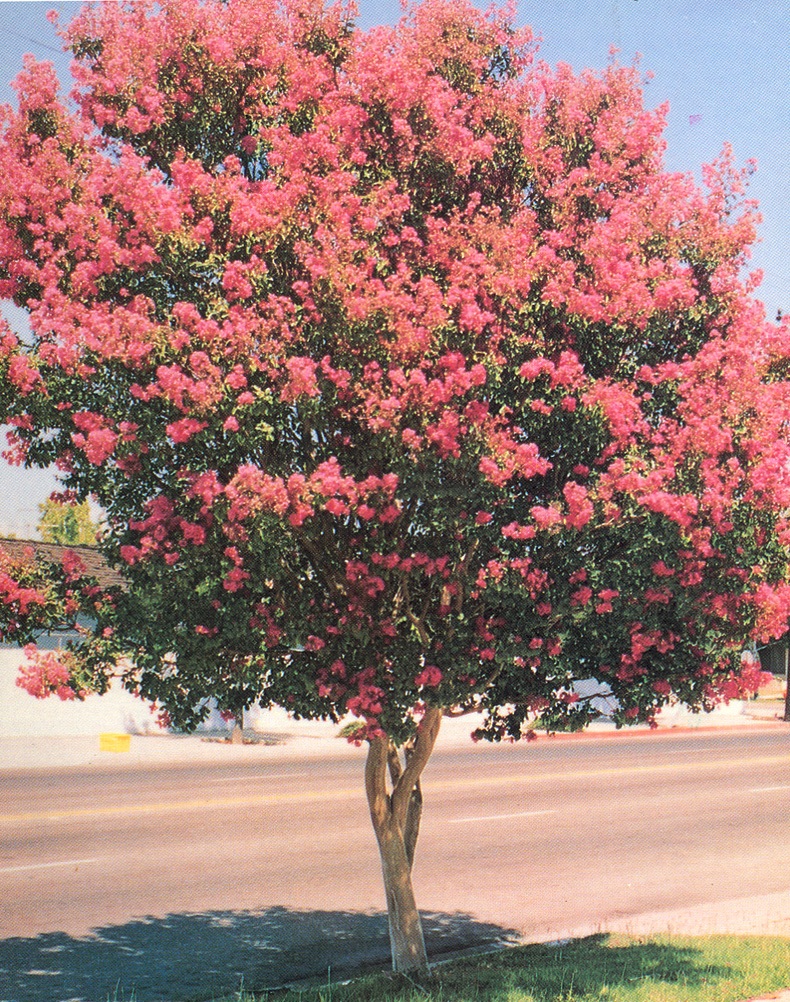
pixel 67 523
pixel 409 380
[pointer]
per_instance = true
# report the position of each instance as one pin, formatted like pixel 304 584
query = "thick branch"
pixel 394 762
pixel 427 732
pixel 329 577
pixel 411 827
pixel 416 621
pixel 419 626
pixel 376 781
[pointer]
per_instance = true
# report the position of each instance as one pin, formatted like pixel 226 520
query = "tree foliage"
pixel 406 374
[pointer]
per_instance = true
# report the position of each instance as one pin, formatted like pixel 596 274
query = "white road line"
pixel 768 789
pixel 500 817
pixel 46 866
pixel 272 775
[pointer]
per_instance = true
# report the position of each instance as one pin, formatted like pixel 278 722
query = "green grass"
pixel 604 968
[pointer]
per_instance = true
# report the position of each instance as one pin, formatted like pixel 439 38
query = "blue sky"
pixel 723 66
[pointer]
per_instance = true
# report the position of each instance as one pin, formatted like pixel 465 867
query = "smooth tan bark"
pixel 237 733
pixel 395 814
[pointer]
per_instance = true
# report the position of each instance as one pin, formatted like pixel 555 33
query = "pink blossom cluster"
pixel 299 497
pixel 742 682
pixel 18 597
pixel 46 673
pixel 163 531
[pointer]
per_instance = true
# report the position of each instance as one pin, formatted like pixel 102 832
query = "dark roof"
pixel 97 567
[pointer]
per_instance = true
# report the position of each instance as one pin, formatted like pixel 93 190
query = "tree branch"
pixel 330 578
pixel 379 803
pixel 427 732
pixel 393 760
pixel 416 622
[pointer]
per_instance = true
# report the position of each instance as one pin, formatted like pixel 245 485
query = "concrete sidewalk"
pixel 278 736
pixel 283 739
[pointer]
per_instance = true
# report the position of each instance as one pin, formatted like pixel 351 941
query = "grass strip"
pixel 608 967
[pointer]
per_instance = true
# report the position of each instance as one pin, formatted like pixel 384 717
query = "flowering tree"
pixel 407 377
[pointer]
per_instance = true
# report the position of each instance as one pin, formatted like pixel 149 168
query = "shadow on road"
pixel 201 956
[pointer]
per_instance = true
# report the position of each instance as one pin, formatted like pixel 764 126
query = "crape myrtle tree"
pixel 408 378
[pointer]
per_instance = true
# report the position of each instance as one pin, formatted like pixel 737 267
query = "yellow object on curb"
pixel 115 742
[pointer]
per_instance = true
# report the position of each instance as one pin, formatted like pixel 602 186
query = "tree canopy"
pixel 407 376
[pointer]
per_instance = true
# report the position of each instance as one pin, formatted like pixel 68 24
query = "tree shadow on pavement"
pixel 198 956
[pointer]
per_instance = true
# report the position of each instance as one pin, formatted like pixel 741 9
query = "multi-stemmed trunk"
pixel 395 811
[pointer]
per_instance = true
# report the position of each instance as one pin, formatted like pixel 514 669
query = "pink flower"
pixel 430 676
pixel 22 374
pixel 183 429
pixel 73 565
pixel 661 570
pixel 580 508
pixel 235 579
pixel 301 379
pixel 192 533
pixel 545 518
pixel 46 674
pixel 100 445
pixel 581 596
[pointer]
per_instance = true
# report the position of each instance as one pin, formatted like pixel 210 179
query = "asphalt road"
pixel 176 882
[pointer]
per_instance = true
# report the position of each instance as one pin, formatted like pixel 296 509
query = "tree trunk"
pixel 787 679
pixel 407 943
pixel 396 821
pixel 237 734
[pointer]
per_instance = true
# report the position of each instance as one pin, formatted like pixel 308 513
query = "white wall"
pixel 23 715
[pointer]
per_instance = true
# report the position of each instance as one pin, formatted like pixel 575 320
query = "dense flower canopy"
pixel 404 371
